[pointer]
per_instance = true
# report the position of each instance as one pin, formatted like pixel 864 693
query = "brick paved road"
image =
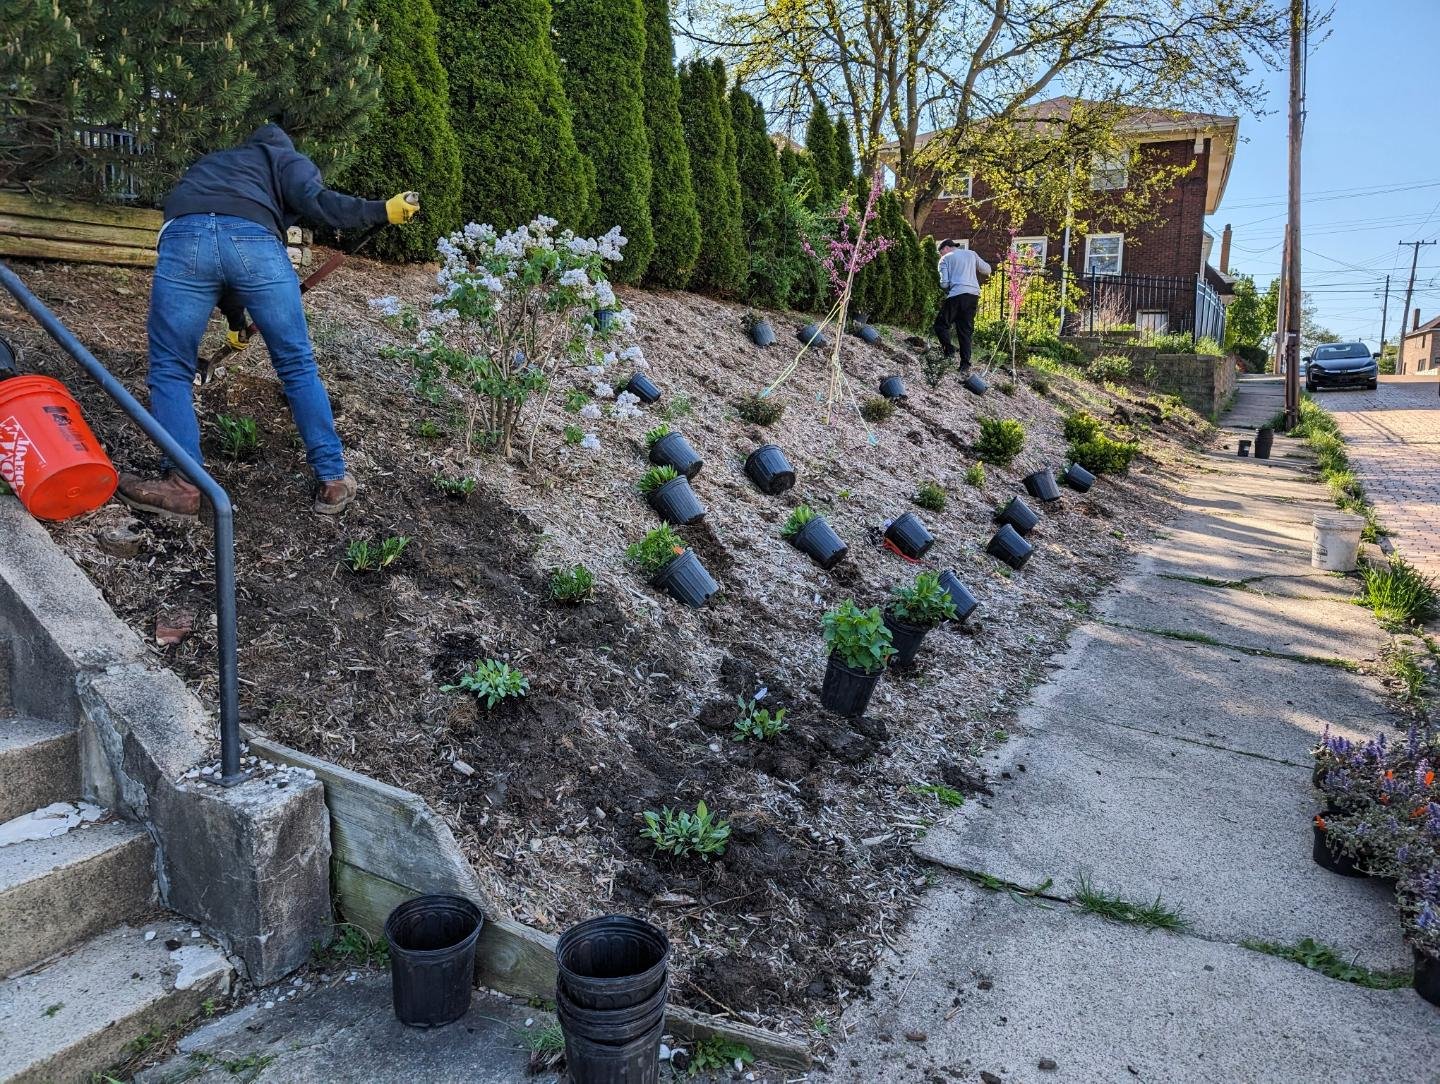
pixel 1393 435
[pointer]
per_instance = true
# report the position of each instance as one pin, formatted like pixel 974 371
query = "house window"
pixel 1110 171
pixel 1031 250
pixel 1104 253
pixel 965 189
pixel 1152 322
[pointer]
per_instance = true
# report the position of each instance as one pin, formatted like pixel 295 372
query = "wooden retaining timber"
pixel 79 232
pixel 388 846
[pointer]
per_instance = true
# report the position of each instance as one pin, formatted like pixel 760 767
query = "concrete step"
pixel 78 1015
pixel 56 892
pixel 39 764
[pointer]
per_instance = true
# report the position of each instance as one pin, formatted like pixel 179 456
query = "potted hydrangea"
pixel 914 610
pixel 860 646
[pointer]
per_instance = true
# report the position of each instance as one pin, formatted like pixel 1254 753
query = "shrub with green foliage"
pixel 923 602
pixel 674 219
pixel 820 146
pixel 1104 455
pixel 490 680
pixel 975 475
pixel 760 409
pixel 682 833
pixel 844 160
pixel 858 638
pixel 601 44
pixel 930 496
pixel 411 144
pixel 1081 426
pixel 877 409
pixel 1000 440
pixel 518 156
pixel 714 171
pixel 574 584
pixel 1105 367
pixel 656 550
pixel 770 235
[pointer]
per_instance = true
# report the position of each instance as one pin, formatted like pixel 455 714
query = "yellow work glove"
pixel 238 338
pixel 401 208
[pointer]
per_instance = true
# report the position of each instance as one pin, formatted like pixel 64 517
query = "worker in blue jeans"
pixel 224 235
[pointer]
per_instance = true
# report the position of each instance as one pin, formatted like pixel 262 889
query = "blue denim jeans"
pixel 199 256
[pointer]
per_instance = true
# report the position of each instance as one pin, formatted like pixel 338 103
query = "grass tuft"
pixel 1398 593
pixel 1322 958
pixel 1115 907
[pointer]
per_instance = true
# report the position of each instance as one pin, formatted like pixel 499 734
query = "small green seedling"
pixel 239 437
pixel 941 793
pixel 492 681
pixel 575 399
pixel 574 584
pixel 930 496
pixel 429 430
pixel 457 489
pixel 975 475
pixel 678 407
pixel 682 833
pixel 796 520
pixel 51 1010
pixel 759 723
pixel 656 477
pixel 365 556
pixel 716 1055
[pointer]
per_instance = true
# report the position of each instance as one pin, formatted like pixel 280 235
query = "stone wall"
pixel 1204 381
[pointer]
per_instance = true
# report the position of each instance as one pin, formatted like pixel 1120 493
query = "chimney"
pixel 1225 251
pixel 1416 325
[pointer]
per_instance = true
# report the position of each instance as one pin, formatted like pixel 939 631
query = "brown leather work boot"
pixel 332 498
pixel 170 496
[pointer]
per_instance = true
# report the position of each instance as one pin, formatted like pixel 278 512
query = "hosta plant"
pixel 796 520
pixel 682 833
pixel 656 477
pixel 757 722
pixel 491 681
pixel 858 638
pixel 923 602
pixel 365 556
pixel 457 489
pixel 656 550
pixel 239 437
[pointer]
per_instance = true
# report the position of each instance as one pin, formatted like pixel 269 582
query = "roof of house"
pixel 1429 325
pixel 1144 125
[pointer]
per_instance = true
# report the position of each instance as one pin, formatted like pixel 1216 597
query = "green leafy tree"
pixel 411 144
pixel 820 145
pixel 928 292
pixel 601 44
pixel 710 138
pixel 1242 318
pixel 773 256
pixel 518 155
pixel 41 59
pixel 674 219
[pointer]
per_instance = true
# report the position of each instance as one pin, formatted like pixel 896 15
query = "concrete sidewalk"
pixel 1166 759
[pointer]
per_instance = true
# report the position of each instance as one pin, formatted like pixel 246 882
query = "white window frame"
pixel 1109 172
pixel 1024 244
pixel 965 244
pixel 1119 238
pixel 967 193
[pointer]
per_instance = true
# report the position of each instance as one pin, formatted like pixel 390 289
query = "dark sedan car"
pixel 1341 365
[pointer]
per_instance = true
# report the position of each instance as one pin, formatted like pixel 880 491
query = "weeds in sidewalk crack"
pixel 1322 958
pixel 1115 907
pixel 1188 637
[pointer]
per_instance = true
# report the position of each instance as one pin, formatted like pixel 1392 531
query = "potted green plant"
pixel 668 448
pixel 860 646
pixel 668 565
pixel 807 531
pixel 1419 897
pixel 669 493
pixel 914 610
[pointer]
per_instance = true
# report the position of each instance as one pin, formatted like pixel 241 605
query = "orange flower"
pixel 1319 822
pixel 1429 778
pixel 1418 813
pixel 1390 774
pixel 1384 799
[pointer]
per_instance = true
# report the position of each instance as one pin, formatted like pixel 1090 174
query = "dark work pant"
pixel 959 312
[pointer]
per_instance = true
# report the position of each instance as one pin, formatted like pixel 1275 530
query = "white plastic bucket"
pixel 1336 545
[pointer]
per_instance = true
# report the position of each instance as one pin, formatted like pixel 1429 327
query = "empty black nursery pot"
pixel 614 1026
pixel 810 335
pixel 910 536
pixel 1334 861
pixel 1427 977
pixel 1078 478
pixel 1019 515
pixel 687 581
pixel 892 387
pixel 1264 440
pixel 1042 486
pixel 612 962
pixel 846 690
pixel 761 333
pixel 770 470
pixel 675 502
pixel 1242 449
pixel 866 332
pixel 640 386
pixel 673 450
pixel 906 638
pixel 592 1062
pixel 432 958
pixel 819 540
pixel 976 383
pixel 965 602
pixel 1009 547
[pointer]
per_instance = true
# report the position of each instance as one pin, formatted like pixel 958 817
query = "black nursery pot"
pixel 1264 440
pixel 847 691
pixel 603 318
pixel 819 540
pixel 592 1062
pixel 612 962
pixel 1009 547
pixel 686 580
pixel 673 450
pixel 892 387
pixel 866 332
pixel 432 958
pixel 675 502
pixel 976 383
pixel 762 334
pixel 965 602
pixel 1042 485
pixel 1335 862
pixel 810 335
pixel 1242 449
pixel 1078 478
pixel 1019 515
pixel 906 638
pixel 642 388
pixel 1427 977
pixel 770 470
pixel 910 536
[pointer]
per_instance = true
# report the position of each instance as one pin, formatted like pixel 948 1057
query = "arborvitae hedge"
pixel 518 155
pixel 844 156
pixel 820 144
pixel 411 144
pixel 674 219
pixel 771 253
pixel 601 44
pixel 929 293
pixel 713 171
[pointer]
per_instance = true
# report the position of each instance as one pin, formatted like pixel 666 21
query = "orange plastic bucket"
pixel 47 453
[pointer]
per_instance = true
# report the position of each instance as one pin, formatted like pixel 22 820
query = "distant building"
pixel 1420 347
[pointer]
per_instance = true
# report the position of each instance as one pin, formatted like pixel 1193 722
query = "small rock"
pixel 599 813
pixel 536 844
pixel 664 1050
pixel 530 1023
pixel 989 1077
pixel 463 768
pixel 916 1036
pixel 1049 1064
pixel 172 943
pixel 269 1004
pixel 984 984
pixel 120 541
pixel 194 933
pixel 171 628
pixel 297 982
pixel 149 935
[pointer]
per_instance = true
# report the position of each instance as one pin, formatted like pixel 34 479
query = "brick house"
pixel 1157 275
pixel 1420 348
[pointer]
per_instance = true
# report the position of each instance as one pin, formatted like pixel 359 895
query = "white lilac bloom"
pixel 596 370
pixel 576 276
pixel 544 223
pixel 603 390
pixel 610 245
pixel 590 411
pixel 635 356
pixel 590 442
pixel 626 319
pixel 627 399
pixel 386 306
pixel 604 295
pixel 610 357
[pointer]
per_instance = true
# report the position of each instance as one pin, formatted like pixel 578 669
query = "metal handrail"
pixel 230 772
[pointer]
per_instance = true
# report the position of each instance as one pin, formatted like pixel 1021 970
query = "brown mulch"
pixel 633 698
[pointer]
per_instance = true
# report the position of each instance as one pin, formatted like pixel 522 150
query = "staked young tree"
pixel 710 138
pixel 674 219
pixel 601 45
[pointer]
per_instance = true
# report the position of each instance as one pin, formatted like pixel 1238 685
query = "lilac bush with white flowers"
pixel 514 311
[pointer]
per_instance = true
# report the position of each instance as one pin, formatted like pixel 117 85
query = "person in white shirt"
pixel 960 273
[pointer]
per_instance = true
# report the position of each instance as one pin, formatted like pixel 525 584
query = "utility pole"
pixel 1415 247
pixel 1291 340
pixel 1385 315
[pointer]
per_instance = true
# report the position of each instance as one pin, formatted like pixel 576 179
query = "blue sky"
pixel 1371 169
